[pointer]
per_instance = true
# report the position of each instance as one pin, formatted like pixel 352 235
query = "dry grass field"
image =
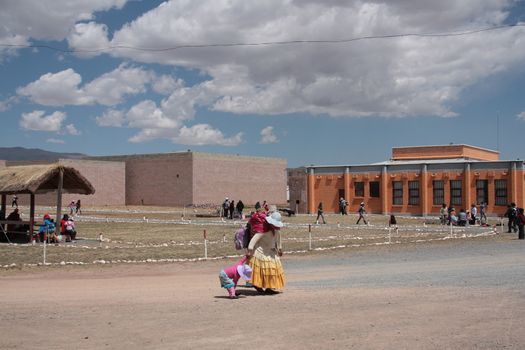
pixel 152 234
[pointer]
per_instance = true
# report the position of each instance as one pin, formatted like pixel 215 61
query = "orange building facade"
pixel 416 181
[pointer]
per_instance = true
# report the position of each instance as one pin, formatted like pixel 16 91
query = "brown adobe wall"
pixel 164 179
pixel 250 179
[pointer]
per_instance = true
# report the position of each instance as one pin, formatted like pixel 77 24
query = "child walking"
pixel 231 275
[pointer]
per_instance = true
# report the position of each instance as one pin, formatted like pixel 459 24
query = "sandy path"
pixel 461 295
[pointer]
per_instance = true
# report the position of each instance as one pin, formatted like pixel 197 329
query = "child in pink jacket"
pixel 231 275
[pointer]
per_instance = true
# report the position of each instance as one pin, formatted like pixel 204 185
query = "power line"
pixel 264 43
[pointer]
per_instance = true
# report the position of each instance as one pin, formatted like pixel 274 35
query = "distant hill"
pixel 24 154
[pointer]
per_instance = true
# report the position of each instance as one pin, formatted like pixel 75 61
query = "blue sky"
pixel 111 83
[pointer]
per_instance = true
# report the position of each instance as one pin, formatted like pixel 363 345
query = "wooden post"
pixel 31 215
pixel 59 196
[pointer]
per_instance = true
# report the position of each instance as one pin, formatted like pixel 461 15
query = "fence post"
pixel 205 246
pixel 389 235
pixel 309 237
pixel 501 225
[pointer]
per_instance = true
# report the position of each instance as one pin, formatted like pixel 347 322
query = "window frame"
pixel 359 189
pixel 438 193
pixel 413 193
pixel 456 192
pixel 397 193
pixel 498 189
pixel 373 193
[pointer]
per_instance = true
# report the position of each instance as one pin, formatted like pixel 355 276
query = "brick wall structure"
pixel 194 178
pixel 250 179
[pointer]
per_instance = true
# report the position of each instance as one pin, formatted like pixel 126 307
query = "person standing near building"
pixel 520 220
pixel 232 209
pixel 342 206
pixel 362 213
pixel 78 207
pixel 225 207
pixel 511 214
pixel 473 214
pixel 482 213
pixel 320 213
pixel 14 202
pixel 443 213
pixel 240 208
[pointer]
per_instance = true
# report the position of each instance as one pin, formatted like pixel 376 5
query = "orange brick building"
pixel 416 181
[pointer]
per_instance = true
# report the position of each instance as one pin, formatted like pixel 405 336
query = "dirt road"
pixel 448 295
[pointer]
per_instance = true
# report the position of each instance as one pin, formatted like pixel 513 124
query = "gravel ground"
pixel 454 294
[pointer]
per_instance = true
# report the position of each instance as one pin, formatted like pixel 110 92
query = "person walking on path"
pixel 511 214
pixel 520 220
pixel 443 213
pixel 342 206
pixel 232 209
pixel 14 202
pixel 265 250
pixel 320 213
pixel 473 214
pixel 482 213
pixel 225 207
pixel 362 213
pixel 240 208
pixel 79 210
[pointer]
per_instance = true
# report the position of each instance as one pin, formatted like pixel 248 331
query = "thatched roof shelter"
pixel 39 179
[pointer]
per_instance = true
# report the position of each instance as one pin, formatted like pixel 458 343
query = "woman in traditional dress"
pixel 265 250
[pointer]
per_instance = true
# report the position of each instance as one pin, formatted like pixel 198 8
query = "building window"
pixel 374 189
pixel 341 193
pixel 359 189
pixel 413 192
pixel 438 192
pixel 482 191
pixel 455 192
pixel 397 192
pixel 500 186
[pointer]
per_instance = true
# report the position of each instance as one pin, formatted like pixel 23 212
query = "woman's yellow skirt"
pixel 267 271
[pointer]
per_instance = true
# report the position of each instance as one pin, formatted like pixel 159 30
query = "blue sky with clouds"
pixel 107 77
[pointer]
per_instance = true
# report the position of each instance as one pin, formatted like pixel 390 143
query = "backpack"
pixel 238 238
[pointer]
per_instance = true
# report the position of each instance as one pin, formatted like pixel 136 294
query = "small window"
pixel 397 192
pixel 500 187
pixel 455 192
pixel 374 189
pixel 359 189
pixel 438 192
pixel 413 192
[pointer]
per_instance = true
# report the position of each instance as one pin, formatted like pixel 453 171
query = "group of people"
pixel 48 233
pixel 449 216
pixel 516 219
pixel 343 204
pixel 261 266
pixel 75 207
pixel 231 210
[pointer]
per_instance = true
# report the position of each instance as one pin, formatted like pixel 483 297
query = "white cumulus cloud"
pixel 64 88
pixel 70 129
pixel 88 39
pixel 405 76
pixel 111 117
pixel 268 135
pixel 45 20
pixel 39 121
pixel 204 134
pixel 521 116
